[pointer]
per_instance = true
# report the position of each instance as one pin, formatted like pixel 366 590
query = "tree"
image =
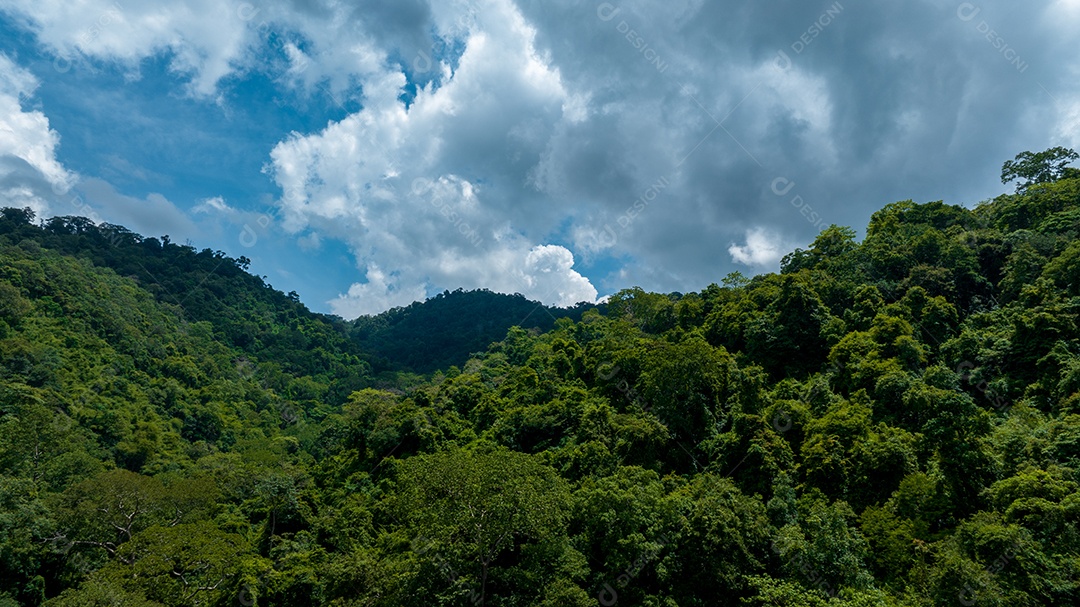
pixel 652 312
pixel 722 445
pixel 720 537
pixel 189 564
pixel 98 591
pixel 823 551
pixel 1041 167
pixel 687 386
pixel 107 510
pixel 625 527
pixel 470 512
pixel 788 339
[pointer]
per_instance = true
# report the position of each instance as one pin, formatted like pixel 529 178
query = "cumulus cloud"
pixel 382 291
pixel 208 40
pixel 493 143
pixel 434 194
pixel 205 38
pixel 549 270
pixel 763 248
pixel 560 116
pixel 30 175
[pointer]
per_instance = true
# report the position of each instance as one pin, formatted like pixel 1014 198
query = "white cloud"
pixel 1069 125
pixel 549 270
pixel 1064 9
pixel 15 81
pixel 543 273
pixel 216 204
pixel 380 292
pixel 154 215
pixel 206 37
pixel 533 123
pixel 208 40
pixel 432 195
pixel 763 248
pixel 30 174
pixel 310 242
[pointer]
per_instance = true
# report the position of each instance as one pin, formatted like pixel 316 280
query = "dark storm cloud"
pixel 855 104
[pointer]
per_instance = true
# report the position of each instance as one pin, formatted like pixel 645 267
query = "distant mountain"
pixel 249 314
pixel 446 329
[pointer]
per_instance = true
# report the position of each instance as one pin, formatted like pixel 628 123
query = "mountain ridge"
pixel 887 423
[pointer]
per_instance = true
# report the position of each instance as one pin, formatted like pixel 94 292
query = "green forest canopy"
pixel 888 422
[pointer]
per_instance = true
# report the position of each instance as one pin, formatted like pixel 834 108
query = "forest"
pixel 887 422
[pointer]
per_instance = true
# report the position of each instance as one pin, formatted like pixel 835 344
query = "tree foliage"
pixel 891 422
pixel 1030 168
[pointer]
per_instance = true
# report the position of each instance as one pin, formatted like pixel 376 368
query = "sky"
pixel 371 153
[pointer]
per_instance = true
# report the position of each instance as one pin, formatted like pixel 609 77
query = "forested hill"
pixel 247 313
pixel 205 286
pixel 446 329
pixel 892 422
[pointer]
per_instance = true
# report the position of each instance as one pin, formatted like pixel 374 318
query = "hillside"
pixel 249 314
pixel 891 422
pixel 446 329
pixel 208 286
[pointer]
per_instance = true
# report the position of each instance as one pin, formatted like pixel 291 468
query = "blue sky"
pixel 146 136
pixel 368 154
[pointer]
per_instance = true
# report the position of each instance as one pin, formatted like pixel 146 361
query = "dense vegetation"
pixel 445 330
pixel 888 422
